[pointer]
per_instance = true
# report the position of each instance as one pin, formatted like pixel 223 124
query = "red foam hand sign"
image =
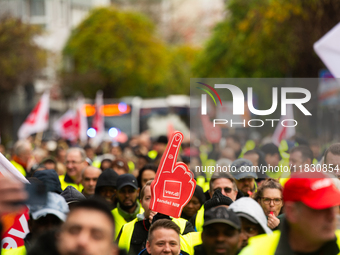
pixel 173 186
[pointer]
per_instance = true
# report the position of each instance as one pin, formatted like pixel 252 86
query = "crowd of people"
pixel 97 199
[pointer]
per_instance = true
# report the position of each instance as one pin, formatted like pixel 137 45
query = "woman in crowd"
pixel 269 196
pixel 147 173
pixel 194 204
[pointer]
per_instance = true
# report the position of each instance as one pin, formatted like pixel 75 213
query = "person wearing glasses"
pixel 269 196
pixel 224 182
pixel 75 163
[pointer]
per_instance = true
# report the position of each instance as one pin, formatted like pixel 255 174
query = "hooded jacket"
pixel 248 208
pixel 108 178
pixel 50 178
pixel 71 195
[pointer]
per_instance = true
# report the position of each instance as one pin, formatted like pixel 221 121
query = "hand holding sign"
pixel 173 185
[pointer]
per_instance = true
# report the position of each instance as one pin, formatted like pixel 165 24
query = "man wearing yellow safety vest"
pixel 22 155
pixel 128 205
pixel 75 163
pixel 309 227
pixel 133 235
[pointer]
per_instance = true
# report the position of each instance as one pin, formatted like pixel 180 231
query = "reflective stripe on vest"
pixel 14 251
pixel 199 221
pixel 267 244
pixel 125 237
pixel 189 241
pixel 120 221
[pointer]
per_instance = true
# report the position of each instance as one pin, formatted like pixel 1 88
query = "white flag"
pixel 282 132
pixel 328 50
pixel 37 120
pixel 65 126
pixel 7 169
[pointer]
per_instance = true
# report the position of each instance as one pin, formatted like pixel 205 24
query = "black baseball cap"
pixel 126 180
pixel 221 215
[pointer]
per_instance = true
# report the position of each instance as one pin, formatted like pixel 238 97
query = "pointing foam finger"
pixel 171 152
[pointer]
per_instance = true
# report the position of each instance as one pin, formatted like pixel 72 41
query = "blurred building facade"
pixel 57 18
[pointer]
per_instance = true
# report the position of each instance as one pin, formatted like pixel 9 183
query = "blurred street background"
pixel 142 53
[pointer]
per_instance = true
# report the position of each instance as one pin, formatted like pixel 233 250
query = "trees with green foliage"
pixel 20 62
pixel 20 57
pixel 119 53
pixel 270 38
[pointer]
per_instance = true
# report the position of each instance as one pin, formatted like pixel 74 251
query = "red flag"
pixel 37 120
pixel 281 132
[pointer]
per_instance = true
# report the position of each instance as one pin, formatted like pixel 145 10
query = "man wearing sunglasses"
pixel 224 182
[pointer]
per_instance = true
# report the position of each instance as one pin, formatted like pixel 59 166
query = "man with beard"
pixel 128 205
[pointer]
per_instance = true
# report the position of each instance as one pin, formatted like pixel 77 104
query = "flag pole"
pixel 38 138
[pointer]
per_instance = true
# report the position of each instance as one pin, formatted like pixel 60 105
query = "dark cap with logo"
pixel 126 180
pixel 221 215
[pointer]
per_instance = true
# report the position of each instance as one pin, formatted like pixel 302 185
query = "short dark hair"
pixel 306 152
pixel 220 175
pixel 151 167
pixel 94 204
pixel 271 149
pixel 163 223
pixel 334 149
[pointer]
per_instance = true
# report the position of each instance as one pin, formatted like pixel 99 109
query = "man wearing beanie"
pixel 311 204
pixel 106 186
